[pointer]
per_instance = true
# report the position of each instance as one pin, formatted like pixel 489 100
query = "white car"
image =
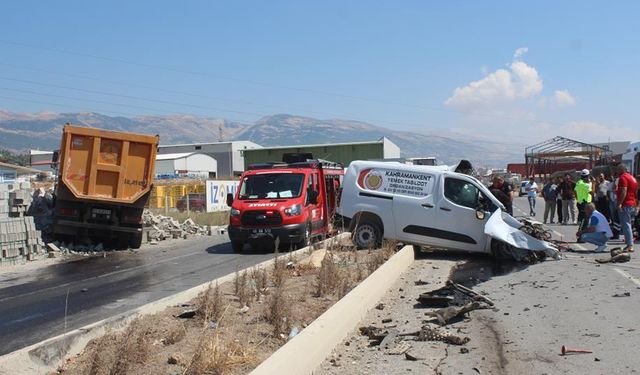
pixel 523 188
pixel 419 205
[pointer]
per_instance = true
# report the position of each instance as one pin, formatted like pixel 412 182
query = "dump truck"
pixel 104 182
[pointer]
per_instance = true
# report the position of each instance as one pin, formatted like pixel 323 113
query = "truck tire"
pixel 122 243
pixel 367 234
pixel 306 240
pixel 237 246
pixel 135 241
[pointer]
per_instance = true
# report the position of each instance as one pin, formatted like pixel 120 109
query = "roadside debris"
pixel 431 333
pixel 625 294
pixel 616 257
pixel 159 227
pixel 535 229
pixel 566 350
pixel 448 314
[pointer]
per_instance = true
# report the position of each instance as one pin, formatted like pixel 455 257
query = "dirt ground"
pixel 397 311
pixel 232 327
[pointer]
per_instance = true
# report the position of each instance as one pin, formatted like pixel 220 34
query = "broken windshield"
pixel 271 186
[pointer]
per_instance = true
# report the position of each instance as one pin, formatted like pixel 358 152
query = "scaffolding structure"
pixel 551 155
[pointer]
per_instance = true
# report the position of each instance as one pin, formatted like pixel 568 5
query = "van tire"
pixel 237 246
pixel 367 234
pixel 306 241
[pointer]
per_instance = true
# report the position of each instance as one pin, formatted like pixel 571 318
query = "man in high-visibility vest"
pixel 583 196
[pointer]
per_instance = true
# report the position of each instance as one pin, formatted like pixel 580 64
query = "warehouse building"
pixel 11 173
pixel 227 154
pixel 343 153
pixel 189 164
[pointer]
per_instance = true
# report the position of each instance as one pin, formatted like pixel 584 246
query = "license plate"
pixel 261 231
pixel 101 211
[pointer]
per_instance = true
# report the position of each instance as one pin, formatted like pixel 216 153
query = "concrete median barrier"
pixel 305 352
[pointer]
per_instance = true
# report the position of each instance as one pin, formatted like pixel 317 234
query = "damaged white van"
pixel 433 206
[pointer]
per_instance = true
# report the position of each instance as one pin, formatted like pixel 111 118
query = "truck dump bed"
pixel 109 166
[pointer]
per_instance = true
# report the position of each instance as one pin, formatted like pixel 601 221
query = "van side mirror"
pixel 313 196
pixel 229 199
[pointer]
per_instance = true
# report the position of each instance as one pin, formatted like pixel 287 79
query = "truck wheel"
pixel 237 246
pixel 122 243
pixel 306 240
pixel 135 241
pixel 367 235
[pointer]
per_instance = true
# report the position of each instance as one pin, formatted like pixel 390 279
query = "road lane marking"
pixel 626 275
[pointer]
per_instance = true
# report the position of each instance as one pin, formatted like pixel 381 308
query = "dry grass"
pixel 278 311
pixel 329 276
pixel 209 304
pixel 114 354
pixel 286 297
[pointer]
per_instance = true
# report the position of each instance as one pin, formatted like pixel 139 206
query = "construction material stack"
pixel 19 239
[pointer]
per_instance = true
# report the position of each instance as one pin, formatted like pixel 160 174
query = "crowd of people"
pixel 603 207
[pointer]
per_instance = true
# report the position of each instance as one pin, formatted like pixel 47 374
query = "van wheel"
pixel 237 246
pixel 367 235
pixel 306 240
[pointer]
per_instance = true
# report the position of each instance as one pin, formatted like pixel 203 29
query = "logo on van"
pixel 373 180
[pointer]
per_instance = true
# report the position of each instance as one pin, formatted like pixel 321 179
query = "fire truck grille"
pixel 261 218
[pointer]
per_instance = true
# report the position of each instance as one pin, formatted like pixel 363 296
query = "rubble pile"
pixel 159 227
pixel 19 238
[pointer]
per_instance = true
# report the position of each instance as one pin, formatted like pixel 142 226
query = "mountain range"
pixel 19 131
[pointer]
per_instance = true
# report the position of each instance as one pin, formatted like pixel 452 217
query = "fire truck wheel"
pixel 367 235
pixel 306 241
pixel 237 246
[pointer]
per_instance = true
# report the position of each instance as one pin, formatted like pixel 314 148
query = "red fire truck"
pixel 286 203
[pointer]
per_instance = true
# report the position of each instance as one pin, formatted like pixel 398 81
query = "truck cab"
pixel 420 205
pixel 284 203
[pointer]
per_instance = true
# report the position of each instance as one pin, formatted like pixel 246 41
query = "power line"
pixel 253 82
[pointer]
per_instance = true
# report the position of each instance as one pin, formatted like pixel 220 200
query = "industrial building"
pixel 343 153
pixel 188 164
pixel 227 154
pixel 10 173
pixel 41 160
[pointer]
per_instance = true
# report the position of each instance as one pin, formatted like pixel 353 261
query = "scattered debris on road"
pixel 566 350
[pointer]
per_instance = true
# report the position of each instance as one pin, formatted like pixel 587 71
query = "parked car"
pixel 197 202
pixel 523 188
pixel 418 205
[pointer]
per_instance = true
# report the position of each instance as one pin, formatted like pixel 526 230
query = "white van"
pixel 419 205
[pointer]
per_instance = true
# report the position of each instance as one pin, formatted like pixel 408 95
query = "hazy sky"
pixel 522 71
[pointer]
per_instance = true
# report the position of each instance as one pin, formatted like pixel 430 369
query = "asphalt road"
pixel 33 303
pixel 574 302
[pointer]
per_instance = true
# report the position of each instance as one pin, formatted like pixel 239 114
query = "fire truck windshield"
pixel 271 186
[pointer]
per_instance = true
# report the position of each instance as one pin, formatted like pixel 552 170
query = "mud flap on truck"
pixel 509 241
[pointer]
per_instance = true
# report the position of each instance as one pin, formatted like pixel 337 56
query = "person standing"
pixel 613 206
pixel 601 199
pixel 626 196
pixel 597 230
pixel 504 193
pixel 559 201
pixel 583 196
pixel 568 195
pixel 532 194
pixel 550 195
